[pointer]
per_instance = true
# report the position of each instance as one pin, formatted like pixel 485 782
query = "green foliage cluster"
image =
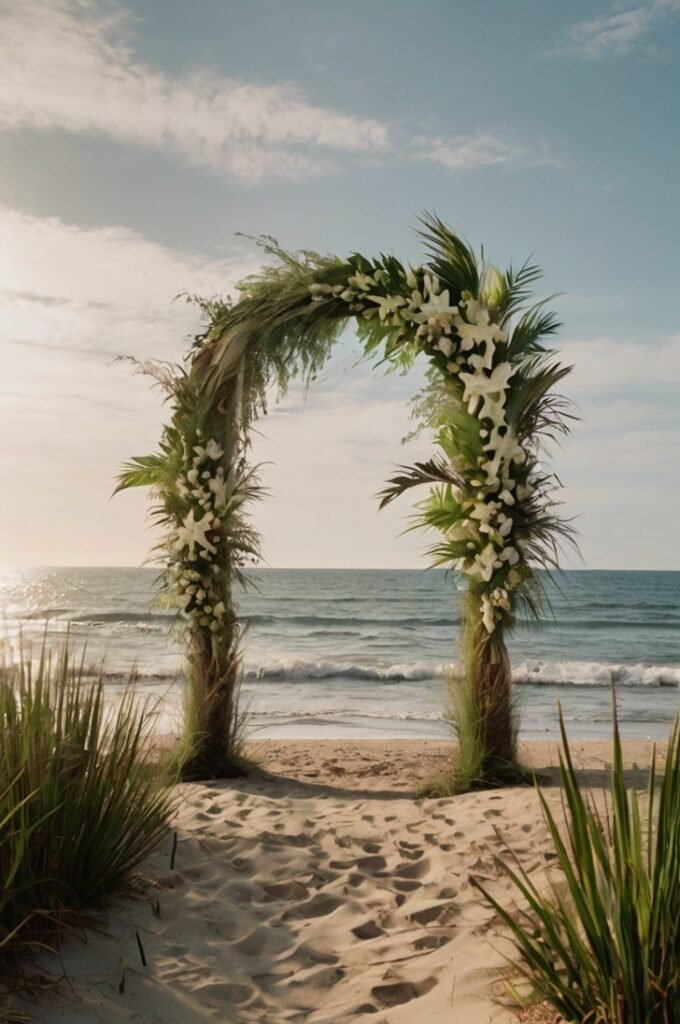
pixel 81 801
pixel 603 945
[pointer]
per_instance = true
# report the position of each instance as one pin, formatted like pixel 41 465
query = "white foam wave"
pixel 298 669
pixel 593 673
pixel 529 672
pixel 354 713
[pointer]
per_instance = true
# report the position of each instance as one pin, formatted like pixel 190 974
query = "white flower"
pixel 192 477
pixel 484 512
pixel 213 450
pixel 387 304
pixel 193 532
pixel 445 346
pixel 437 305
pixel 510 555
pixel 479 385
pixel 505 449
pixel 411 279
pixel 500 599
pixel 507 497
pixel 218 487
pixel 218 610
pixel 317 290
pixel 506 446
pixel 483 565
pixel 492 286
pixel 361 281
pixel 504 525
pixel 478 329
pixel 488 615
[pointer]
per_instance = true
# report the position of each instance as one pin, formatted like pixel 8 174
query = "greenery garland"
pixel 490 400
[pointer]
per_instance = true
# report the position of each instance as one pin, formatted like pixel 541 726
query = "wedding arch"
pixel 490 403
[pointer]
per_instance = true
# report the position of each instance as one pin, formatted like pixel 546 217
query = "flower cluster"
pixel 468 346
pixel 204 492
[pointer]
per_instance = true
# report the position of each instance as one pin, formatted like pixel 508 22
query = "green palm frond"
pixel 435 470
pixel 536 323
pixel 452 259
pixel 520 284
pixel 140 471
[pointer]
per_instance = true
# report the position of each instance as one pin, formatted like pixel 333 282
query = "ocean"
pixel 353 653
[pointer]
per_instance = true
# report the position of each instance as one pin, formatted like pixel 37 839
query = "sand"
pixel 323 893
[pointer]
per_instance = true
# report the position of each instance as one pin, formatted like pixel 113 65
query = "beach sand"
pixel 322 892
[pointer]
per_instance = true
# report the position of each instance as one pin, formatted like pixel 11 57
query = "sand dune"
pixel 294 900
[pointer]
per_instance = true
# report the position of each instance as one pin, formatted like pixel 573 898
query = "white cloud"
pixel 72 299
pixel 605 367
pixel 482 149
pixel 100 288
pixel 619 33
pixel 63 65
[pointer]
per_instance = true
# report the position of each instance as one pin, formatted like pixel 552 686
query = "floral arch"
pixel 490 403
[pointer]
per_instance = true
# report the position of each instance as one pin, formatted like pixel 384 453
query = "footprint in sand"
pixel 367 930
pixel 318 906
pixel 226 992
pixel 371 865
pixel 286 891
pixel 399 992
pixel 438 912
pixel 431 942
pixel 412 870
pixel 406 884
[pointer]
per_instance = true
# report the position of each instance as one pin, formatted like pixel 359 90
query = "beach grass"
pixel 82 802
pixel 602 945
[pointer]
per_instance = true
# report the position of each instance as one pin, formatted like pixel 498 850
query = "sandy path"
pixel 291 900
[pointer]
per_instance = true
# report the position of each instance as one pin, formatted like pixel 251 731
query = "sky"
pixel 138 139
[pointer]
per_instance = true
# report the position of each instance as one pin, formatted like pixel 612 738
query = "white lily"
pixel 437 305
pixel 218 486
pixel 362 282
pixel 387 304
pixel 506 445
pixel 193 532
pixel 484 512
pixel 483 565
pixel 479 385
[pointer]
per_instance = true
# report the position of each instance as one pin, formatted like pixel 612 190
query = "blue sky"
pixel 136 140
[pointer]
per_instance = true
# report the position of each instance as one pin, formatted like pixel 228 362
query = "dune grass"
pixel 602 945
pixel 81 801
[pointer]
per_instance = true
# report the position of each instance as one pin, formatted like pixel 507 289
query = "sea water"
pixel 365 652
